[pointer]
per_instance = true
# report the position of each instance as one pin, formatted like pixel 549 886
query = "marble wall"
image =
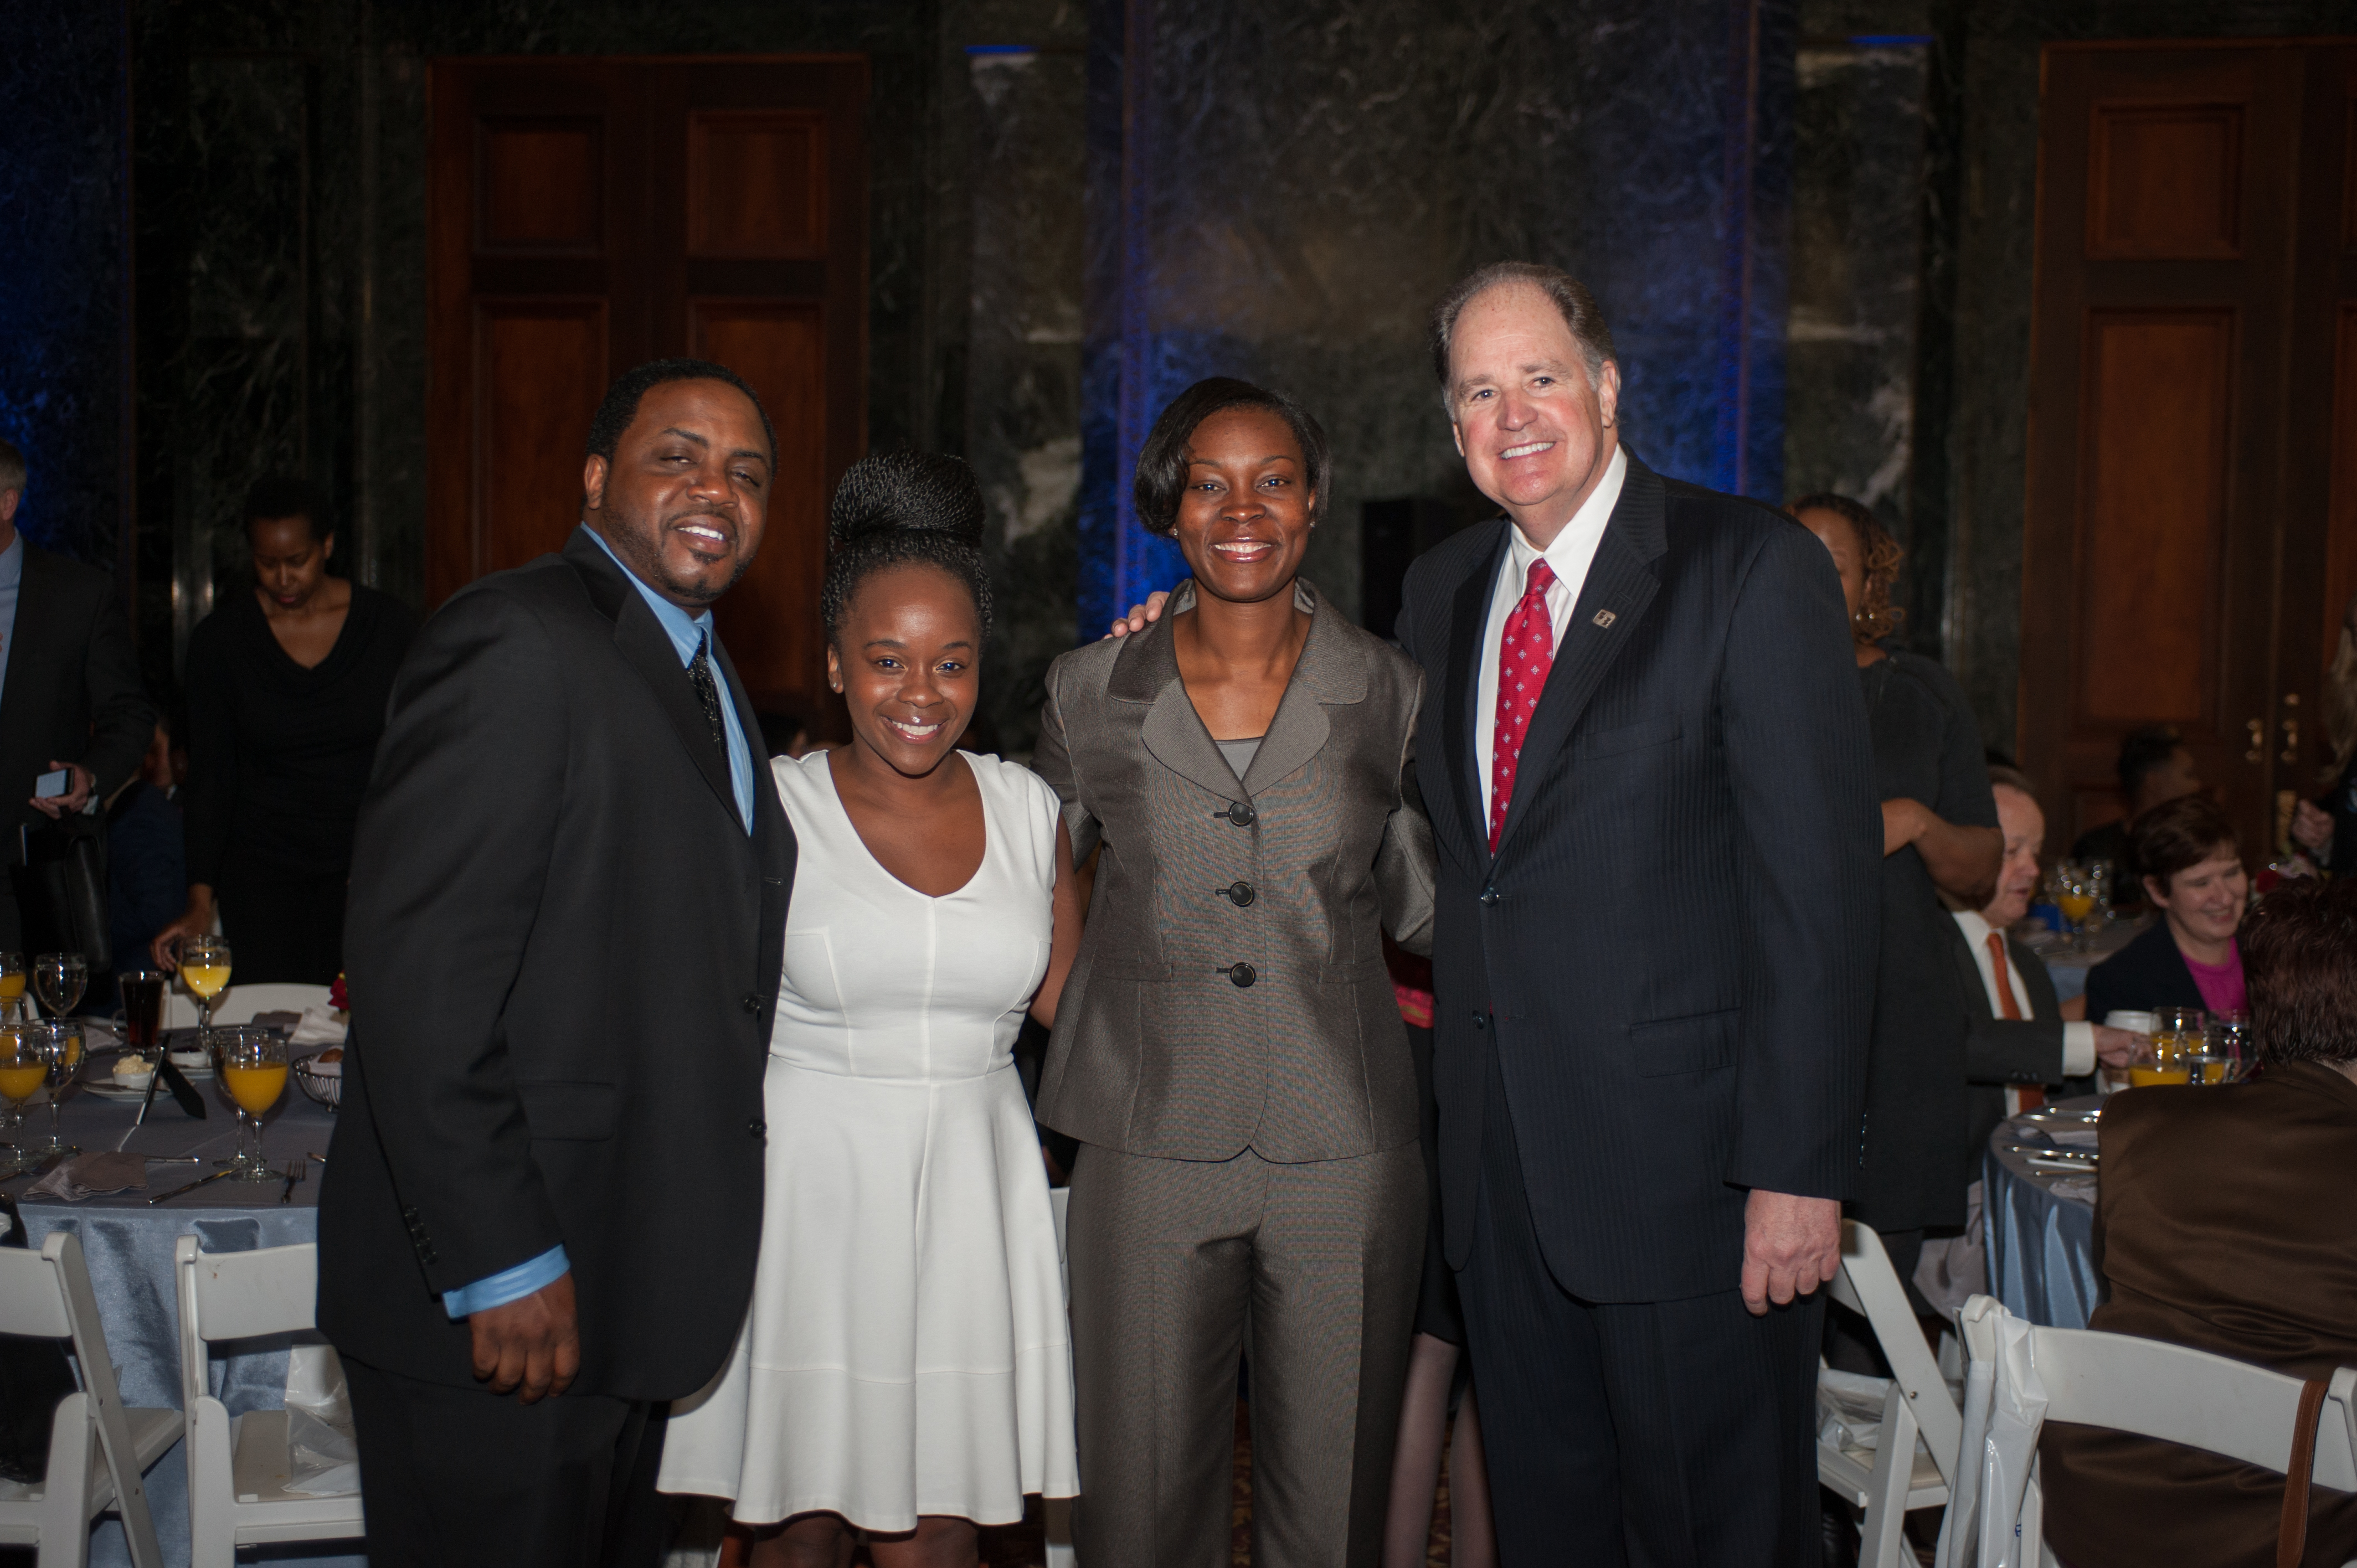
pixel 64 271
pixel 1281 193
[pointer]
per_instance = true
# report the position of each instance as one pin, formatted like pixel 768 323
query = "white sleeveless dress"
pixel 907 1352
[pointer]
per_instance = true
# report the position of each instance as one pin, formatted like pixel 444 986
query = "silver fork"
pixel 296 1170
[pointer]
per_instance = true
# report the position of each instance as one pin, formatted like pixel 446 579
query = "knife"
pixel 144 1101
pixel 182 1089
pixel 226 1170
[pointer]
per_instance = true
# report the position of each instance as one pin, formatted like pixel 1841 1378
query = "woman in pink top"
pixel 2194 877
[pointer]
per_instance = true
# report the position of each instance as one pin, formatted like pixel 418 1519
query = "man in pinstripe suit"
pixel 1647 766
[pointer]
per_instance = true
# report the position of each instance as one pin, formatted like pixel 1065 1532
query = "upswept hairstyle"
pixel 630 388
pixel 274 496
pixel 896 508
pixel 2182 835
pixel 2299 963
pixel 1877 617
pixel 1570 296
pixel 1162 461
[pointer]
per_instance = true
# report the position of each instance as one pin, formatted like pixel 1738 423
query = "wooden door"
pixel 2178 202
pixel 584 215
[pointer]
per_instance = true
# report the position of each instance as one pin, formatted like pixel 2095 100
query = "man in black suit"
pixel 1646 760
pixel 70 696
pixel 568 905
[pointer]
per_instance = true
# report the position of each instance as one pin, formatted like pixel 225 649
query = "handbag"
pixel 61 889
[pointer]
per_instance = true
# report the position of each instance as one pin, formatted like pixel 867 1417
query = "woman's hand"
pixel 1902 823
pixel 2312 829
pixel 194 921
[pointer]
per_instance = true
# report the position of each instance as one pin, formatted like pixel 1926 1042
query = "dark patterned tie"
pixel 699 675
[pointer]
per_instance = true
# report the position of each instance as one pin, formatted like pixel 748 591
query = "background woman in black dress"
pixel 287 687
pixel 1939 835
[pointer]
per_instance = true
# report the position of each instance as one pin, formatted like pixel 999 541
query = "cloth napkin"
pixel 317 1026
pixel 92 1176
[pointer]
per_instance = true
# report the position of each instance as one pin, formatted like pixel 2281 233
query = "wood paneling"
pixel 2167 181
pixel 780 350
pixel 541 185
pixel 540 370
pixel 757 185
pixel 2340 526
pixel 2160 386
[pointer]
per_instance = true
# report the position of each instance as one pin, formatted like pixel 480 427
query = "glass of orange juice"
pixel 2177 1037
pixel 204 970
pixel 254 1074
pixel 12 985
pixel 24 1067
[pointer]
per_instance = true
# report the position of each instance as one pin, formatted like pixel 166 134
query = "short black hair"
pixel 895 508
pixel 274 496
pixel 630 388
pixel 2144 752
pixel 1162 461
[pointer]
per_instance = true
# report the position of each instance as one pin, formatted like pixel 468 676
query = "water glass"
pixel 62 1053
pixel 60 979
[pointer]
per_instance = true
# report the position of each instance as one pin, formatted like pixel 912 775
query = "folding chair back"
pixel 239 1004
pixel 1869 1286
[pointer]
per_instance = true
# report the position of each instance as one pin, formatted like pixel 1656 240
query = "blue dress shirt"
pixel 687 633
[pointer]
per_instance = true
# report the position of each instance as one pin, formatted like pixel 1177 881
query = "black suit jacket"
pixel 2001 1051
pixel 73 692
pixel 2146 973
pixel 563 952
pixel 1671 952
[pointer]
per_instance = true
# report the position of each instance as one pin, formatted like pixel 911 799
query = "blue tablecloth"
pixel 2041 1233
pixel 128 1247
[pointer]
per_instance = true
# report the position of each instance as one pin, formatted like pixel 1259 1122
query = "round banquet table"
pixel 2041 1220
pixel 128 1247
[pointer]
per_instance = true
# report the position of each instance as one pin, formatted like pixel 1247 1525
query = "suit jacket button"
pixel 759 1128
pixel 1480 1020
pixel 1242 814
pixel 1242 975
pixel 1239 893
pixel 1489 897
pixel 752 1003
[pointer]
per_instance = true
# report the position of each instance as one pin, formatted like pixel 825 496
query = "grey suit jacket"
pixel 1230 993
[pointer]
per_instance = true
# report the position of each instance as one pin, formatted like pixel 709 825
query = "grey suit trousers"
pixel 1173 1263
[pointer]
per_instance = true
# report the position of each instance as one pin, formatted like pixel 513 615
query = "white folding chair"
pixel 2154 1388
pixel 1059 1510
pixel 239 1004
pixel 239 1466
pixel 47 1295
pixel 1913 1463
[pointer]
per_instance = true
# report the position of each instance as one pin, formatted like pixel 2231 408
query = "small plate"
pixel 113 1089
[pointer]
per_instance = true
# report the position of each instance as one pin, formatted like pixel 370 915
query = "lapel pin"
pixel 1605 617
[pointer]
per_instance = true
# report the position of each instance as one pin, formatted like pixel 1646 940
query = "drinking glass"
pixel 60 979
pixel 2176 1036
pixel 253 1072
pixel 143 1008
pixel 62 1054
pixel 204 970
pixel 24 1068
pixel 12 985
pixel 2230 1040
pixel 2077 896
pixel 2100 876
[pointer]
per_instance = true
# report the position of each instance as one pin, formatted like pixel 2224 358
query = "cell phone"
pixel 48 784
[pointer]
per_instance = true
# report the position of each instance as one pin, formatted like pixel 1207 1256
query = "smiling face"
pixel 1244 517
pixel 684 499
pixel 2204 902
pixel 906 659
pixel 289 561
pixel 1537 431
pixel 2024 826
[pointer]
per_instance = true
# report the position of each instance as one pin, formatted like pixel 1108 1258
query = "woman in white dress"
pixel 904 1373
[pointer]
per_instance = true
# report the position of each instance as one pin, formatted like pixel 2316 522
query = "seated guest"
pixel 2327 828
pixel 147 857
pixel 2224 1225
pixel 2154 769
pixel 2193 874
pixel 287 690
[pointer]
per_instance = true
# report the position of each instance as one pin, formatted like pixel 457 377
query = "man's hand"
pixel 1791 1246
pixel 2312 828
pixel 75 797
pixel 532 1346
pixel 2121 1049
pixel 1140 617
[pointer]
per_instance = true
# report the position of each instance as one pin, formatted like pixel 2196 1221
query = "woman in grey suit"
pixel 1228 1052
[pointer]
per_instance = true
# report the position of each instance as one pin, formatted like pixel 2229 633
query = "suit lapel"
pixel 1327 673
pixel 643 642
pixel 1468 622
pixel 29 681
pixel 1621 586
pixel 1147 671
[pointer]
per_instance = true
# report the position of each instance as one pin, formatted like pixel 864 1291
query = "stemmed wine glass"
pixel 204 970
pixel 24 1068
pixel 2078 900
pixel 11 983
pixel 253 1070
pixel 60 979
pixel 62 1054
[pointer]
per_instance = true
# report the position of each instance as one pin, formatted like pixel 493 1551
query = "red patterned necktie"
pixel 1525 654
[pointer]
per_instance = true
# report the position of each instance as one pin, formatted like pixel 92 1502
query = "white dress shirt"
pixel 1568 557
pixel 2078 1039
